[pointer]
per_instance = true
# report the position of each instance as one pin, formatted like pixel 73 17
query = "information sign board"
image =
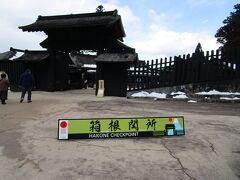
pixel 120 127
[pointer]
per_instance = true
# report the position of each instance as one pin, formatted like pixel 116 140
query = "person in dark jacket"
pixel 4 84
pixel 26 82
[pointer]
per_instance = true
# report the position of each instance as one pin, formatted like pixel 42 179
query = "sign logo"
pixel 120 127
pixel 63 129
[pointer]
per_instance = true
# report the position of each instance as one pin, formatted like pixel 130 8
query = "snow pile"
pixel 91 71
pixel 214 92
pixel 151 95
pixel 90 65
pixel 177 93
pixel 144 94
pixel 191 101
pixel 229 99
pixel 223 94
pixel 140 94
pixel 157 95
pixel 182 96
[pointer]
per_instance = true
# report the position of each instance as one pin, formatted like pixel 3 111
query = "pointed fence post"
pixel 171 71
pixel 156 74
pixel 147 76
pixel 138 77
pixel 160 73
pixel 183 69
pixel 152 73
pixel 134 76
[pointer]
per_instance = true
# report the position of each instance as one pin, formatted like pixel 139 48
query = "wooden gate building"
pixel 101 32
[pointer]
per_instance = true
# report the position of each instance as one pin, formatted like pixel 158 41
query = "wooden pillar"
pixel 52 71
pixel 98 75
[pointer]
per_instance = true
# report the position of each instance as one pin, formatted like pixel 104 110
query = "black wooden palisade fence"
pixel 14 70
pixel 179 70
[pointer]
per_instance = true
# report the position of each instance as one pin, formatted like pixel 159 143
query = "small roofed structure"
pixel 112 68
pixel 33 56
pixel 39 62
pixel 11 68
pixel 5 56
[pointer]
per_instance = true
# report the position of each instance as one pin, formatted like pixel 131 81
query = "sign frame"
pixel 169 129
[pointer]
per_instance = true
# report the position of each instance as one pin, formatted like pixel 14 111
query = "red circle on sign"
pixel 63 124
pixel 170 119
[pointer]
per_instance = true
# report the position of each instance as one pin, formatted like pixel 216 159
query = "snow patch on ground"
pixel 151 95
pixel 214 92
pixel 230 99
pixel 192 101
pixel 183 96
pixel 157 95
pixel 177 93
pixel 140 94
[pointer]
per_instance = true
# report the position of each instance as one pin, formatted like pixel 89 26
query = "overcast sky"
pixel 155 28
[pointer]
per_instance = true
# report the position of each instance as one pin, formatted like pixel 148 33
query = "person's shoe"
pixel 21 100
pixel 29 101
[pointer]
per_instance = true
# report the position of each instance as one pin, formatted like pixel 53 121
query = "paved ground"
pixel 29 148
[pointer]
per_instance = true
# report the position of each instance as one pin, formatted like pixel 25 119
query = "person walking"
pixel 26 82
pixel 4 84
